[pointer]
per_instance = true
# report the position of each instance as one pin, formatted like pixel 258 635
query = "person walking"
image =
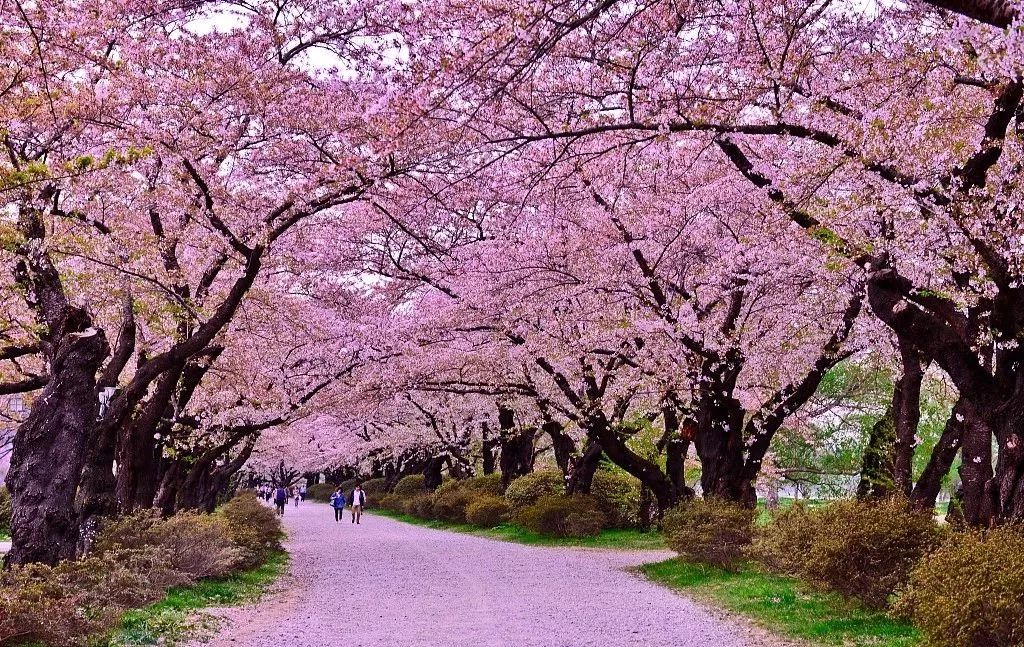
pixel 280 499
pixel 295 495
pixel 357 501
pixel 338 503
pixel 302 492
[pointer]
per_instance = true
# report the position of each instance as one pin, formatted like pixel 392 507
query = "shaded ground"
pixel 387 583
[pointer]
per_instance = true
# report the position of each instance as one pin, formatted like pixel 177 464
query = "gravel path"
pixel 387 583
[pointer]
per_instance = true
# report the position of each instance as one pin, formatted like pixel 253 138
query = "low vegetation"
pixel 785 605
pixel 616 538
pixel 536 503
pixel 320 492
pixel 133 563
pixel 710 532
pixel 852 573
pixel 970 592
pixel 861 550
pixel 173 619
pixel 574 515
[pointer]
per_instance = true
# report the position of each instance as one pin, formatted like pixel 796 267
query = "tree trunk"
pixel 432 473
pixel 50 446
pixel 976 468
pixel 877 480
pixel 618 452
pixel 516 457
pixel 584 467
pixel 136 447
pixel 676 446
pixel 95 498
pixel 906 412
pixel 926 491
pixel 489 449
pixel 719 443
pixel 167 493
pixel 562 444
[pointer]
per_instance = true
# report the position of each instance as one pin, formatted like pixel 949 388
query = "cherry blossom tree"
pixel 882 132
pixel 137 211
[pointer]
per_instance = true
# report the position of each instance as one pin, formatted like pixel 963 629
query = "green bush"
pixel 618 497
pixel 253 527
pixel 862 550
pixel 970 591
pixel 584 524
pixel 484 484
pixel 709 531
pixel 198 545
pixel 391 502
pixel 349 485
pixel 63 605
pixel 320 492
pixel 134 561
pixel 562 516
pixel 450 504
pixel 783 544
pixel 420 505
pixel 410 485
pixel 5 509
pixel 528 489
pixel 374 489
pixel 488 511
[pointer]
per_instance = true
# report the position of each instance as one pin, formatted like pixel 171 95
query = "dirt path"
pixel 387 583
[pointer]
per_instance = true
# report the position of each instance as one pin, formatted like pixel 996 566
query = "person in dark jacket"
pixel 280 499
pixel 338 503
pixel 357 500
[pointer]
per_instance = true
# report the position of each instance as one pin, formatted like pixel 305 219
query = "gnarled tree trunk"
pixel 50 446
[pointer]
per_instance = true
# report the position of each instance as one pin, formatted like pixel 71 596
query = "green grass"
pixel 784 605
pixel 5 534
pixel 620 539
pixel 173 619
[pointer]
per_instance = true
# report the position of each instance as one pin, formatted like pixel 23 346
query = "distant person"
pixel 358 500
pixel 295 496
pixel 302 492
pixel 280 499
pixel 338 503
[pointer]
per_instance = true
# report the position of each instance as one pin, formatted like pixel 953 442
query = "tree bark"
pixel 719 443
pixel 489 448
pixel 562 444
pixel 136 445
pixel 877 478
pixel 50 446
pixel 618 452
pixel 906 411
pixel 926 491
pixel 432 473
pixel 676 446
pixel 516 457
pixel 584 467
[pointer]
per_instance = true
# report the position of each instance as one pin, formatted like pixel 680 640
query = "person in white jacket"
pixel 357 501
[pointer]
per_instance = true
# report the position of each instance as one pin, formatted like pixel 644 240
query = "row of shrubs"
pixel 374 489
pixel 133 562
pixel 960 587
pixel 536 501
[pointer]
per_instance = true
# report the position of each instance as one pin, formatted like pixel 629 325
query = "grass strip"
pixel 784 605
pixel 173 619
pixel 617 539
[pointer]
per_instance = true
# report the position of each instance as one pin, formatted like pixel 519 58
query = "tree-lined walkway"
pixel 387 583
